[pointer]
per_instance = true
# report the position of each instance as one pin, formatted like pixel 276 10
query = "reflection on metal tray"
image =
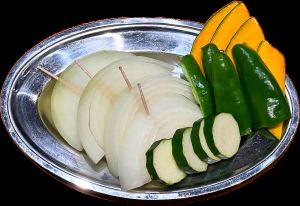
pixel 25 97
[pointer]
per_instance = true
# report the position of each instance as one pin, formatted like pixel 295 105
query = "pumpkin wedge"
pixel 250 33
pixel 275 61
pixel 229 26
pixel 208 30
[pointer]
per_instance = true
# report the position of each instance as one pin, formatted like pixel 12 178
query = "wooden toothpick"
pixel 70 85
pixel 125 78
pixel 83 69
pixel 143 99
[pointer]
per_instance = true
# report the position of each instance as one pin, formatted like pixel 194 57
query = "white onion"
pixel 64 101
pixel 168 112
pixel 101 92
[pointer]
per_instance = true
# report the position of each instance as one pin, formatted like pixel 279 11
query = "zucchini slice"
pixel 225 135
pixel 149 161
pixel 177 151
pixel 211 157
pixel 199 144
pixel 207 131
pixel 161 163
pixel 183 152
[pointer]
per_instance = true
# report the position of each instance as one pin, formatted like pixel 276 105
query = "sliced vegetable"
pixel 229 97
pixel 168 112
pixel 208 31
pixel 177 151
pixel 183 152
pixel 207 131
pixel 211 157
pixel 267 104
pixel 200 88
pixel 126 106
pixel 44 105
pixel 229 25
pixel 101 92
pixel 152 67
pixel 222 135
pixel 141 133
pixel 275 62
pixel 197 147
pixel 163 162
pixel 64 102
pixel 249 33
pixel 149 161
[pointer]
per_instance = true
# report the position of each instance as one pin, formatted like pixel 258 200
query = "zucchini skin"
pixel 267 104
pixel 149 161
pixel 229 97
pixel 177 152
pixel 207 129
pixel 150 164
pixel 200 87
pixel 196 142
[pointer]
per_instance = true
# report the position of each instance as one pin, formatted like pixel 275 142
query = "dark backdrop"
pixel 23 25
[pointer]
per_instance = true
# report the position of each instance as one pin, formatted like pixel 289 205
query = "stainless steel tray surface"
pixel 24 104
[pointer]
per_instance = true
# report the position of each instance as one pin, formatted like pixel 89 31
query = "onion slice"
pixel 124 108
pixel 168 112
pixel 98 96
pixel 64 102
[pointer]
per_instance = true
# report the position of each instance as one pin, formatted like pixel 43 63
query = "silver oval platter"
pixel 25 98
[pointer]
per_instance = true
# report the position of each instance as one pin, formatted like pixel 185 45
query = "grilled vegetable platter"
pixel 159 125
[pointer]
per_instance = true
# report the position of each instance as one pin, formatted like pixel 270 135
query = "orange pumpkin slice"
pixel 229 26
pixel 250 33
pixel 275 62
pixel 208 31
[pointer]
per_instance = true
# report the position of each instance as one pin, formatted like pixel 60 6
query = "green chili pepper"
pixel 200 88
pixel 266 102
pixel 207 59
pixel 228 93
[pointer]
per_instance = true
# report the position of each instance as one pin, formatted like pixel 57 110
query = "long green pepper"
pixel 229 97
pixel 267 104
pixel 200 87
pixel 208 52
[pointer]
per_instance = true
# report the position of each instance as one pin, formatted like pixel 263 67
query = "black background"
pixel 24 25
